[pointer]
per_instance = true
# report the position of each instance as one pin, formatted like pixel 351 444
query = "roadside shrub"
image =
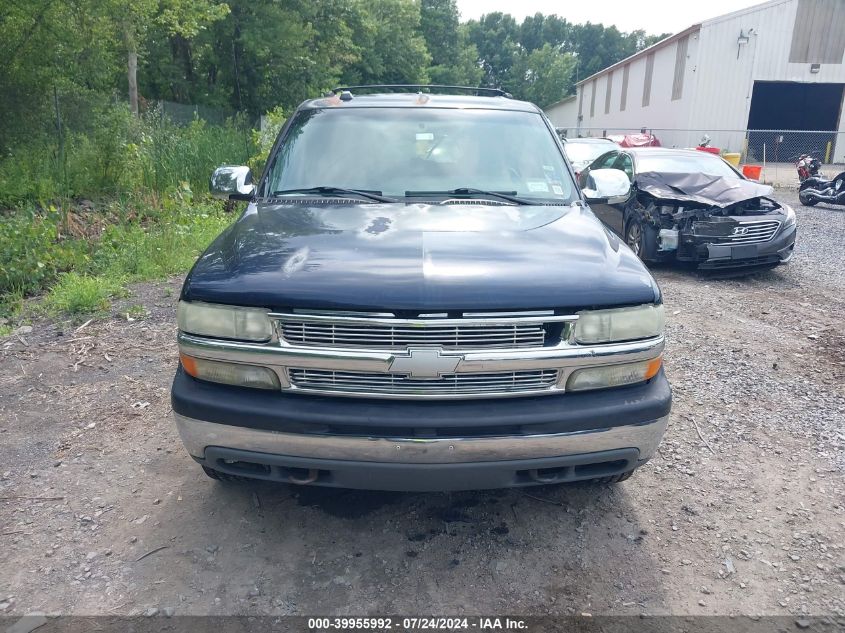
pixel 82 294
pixel 166 247
pixel 117 198
pixel 137 240
pixel 33 253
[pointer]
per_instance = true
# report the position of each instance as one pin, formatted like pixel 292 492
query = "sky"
pixel 654 16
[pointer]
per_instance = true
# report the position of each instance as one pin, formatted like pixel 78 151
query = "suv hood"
pixel 418 257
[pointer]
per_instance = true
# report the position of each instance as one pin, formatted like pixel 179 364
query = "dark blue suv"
pixel 417 297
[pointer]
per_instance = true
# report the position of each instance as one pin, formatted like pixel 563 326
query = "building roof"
pixel 664 42
pixel 672 38
pixel 561 102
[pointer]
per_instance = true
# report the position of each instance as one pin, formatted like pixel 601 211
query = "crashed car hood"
pixel 716 191
pixel 379 257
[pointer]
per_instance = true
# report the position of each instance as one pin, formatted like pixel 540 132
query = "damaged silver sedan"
pixel 691 207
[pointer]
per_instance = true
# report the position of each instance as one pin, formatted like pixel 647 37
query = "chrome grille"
pixel 464 385
pixel 381 334
pixel 760 231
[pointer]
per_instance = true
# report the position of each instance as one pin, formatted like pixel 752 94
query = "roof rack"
pixel 492 92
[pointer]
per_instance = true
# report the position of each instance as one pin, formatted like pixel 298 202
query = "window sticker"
pixel 556 187
pixel 536 186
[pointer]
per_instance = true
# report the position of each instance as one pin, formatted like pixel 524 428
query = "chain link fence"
pixel 185 113
pixel 774 151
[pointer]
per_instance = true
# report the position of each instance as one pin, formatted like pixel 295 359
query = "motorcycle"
pixel 808 167
pixel 817 189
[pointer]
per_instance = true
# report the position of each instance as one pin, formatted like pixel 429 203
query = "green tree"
pixel 390 47
pixel 439 23
pixel 179 18
pixel 542 76
pixel 464 70
pixel 454 59
pixel 496 37
pixel 52 48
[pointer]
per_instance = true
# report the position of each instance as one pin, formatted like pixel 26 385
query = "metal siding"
pixel 725 80
pixel 564 114
pixel 608 91
pixel 593 100
pixel 623 97
pixel 717 82
pixel 818 34
pixel 580 90
pixel 680 67
pixel 649 75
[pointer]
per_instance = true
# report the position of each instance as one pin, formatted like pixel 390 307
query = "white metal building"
pixel 775 66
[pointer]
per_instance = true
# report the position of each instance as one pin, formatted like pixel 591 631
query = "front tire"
pixel 805 199
pixel 634 237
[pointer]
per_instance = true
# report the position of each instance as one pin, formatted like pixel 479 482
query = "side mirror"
pixel 607 185
pixel 232 182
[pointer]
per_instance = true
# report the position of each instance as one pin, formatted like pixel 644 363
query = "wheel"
pixel 634 237
pixel 804 199
pixel 225 477
pixel 613 479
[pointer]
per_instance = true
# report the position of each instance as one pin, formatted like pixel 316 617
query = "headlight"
pixel 613 375
pixel 619 324
pixel 230 373
pixel 220 321
pixel 790 216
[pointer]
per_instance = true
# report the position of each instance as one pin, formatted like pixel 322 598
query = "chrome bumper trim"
pixel 561 356
pixel 564 357
pixel 197 435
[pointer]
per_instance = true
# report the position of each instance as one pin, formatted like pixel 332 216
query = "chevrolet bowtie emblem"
pixel 425 362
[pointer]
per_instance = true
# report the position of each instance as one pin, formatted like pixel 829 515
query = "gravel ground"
pixel 742 511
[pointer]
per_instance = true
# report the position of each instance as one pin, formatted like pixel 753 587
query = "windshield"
pixel 686 164
pixel 586 152
pixel 399 150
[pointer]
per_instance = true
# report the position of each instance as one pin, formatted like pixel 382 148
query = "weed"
pixel 11 304
pixel 78 294
pixel 151 242
pixel 137 312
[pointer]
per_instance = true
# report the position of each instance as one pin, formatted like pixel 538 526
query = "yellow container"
pixel 733 159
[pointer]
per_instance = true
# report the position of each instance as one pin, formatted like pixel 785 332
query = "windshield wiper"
pixel 338 191
pixel 468 192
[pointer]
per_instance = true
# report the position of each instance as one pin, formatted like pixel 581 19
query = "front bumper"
pixel 396 445
pixel 768 254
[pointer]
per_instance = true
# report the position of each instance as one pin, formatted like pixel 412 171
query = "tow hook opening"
pixel 549 475
pixel 579 471
pixel 303 476
pixel 244 468
pixel 299 476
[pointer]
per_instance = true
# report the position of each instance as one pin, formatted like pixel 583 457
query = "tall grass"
pixel 120 154
pixel 81 274
pixel 124 199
